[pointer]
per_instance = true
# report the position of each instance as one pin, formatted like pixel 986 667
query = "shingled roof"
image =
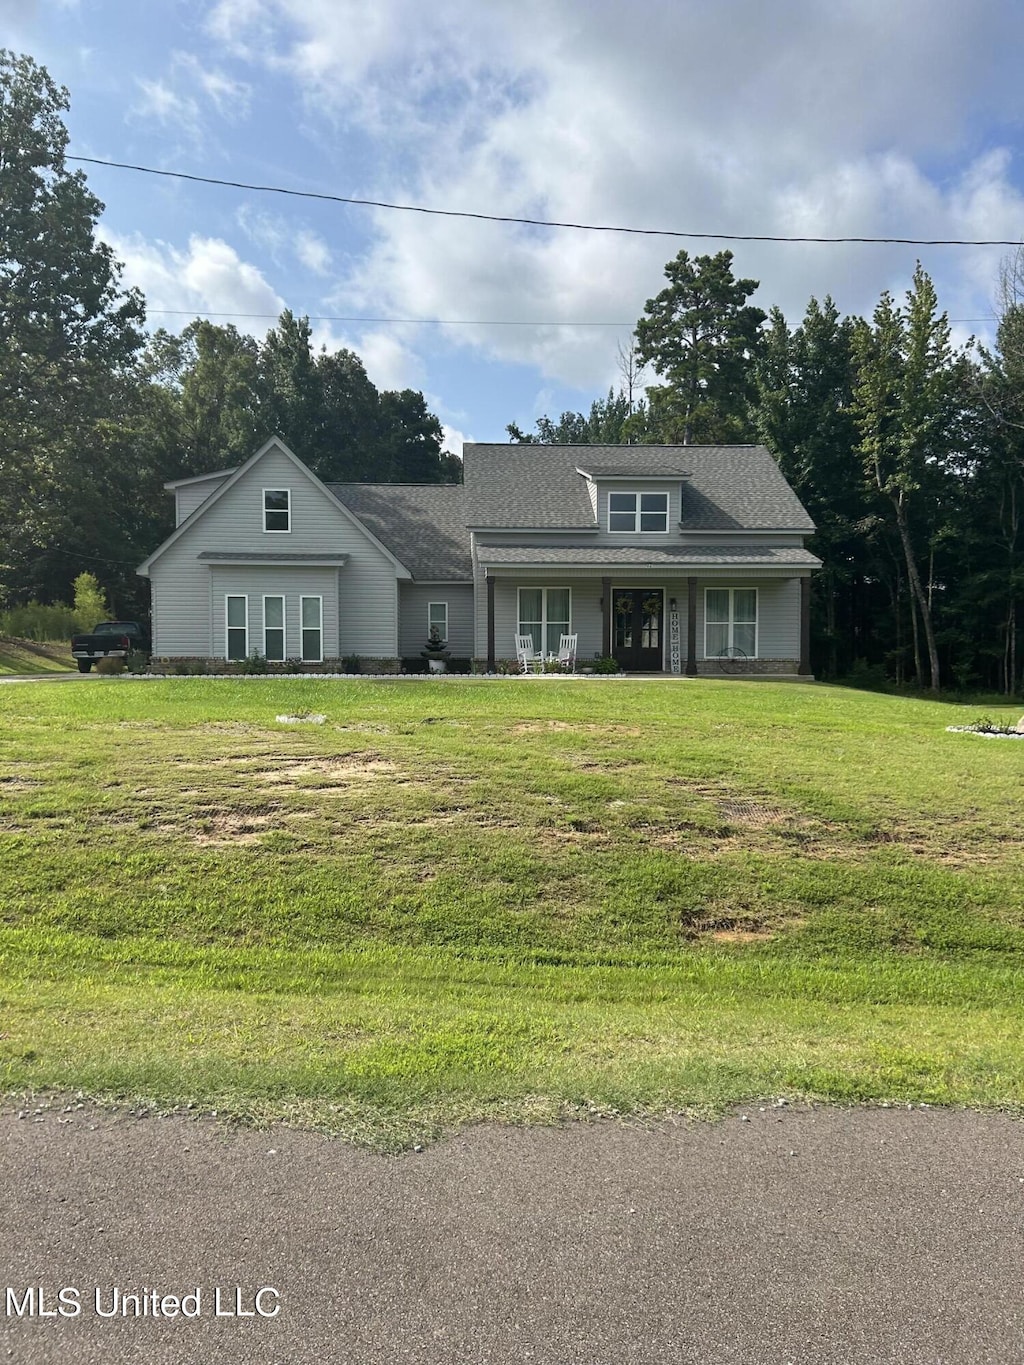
pixel 725 488
pixel 660 556
pixel 423 525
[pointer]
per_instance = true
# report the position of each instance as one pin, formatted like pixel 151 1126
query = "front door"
pixel 638 616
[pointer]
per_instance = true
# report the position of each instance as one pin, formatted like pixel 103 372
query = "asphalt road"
pixel 804 1236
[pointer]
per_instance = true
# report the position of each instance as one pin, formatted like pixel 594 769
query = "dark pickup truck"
pixel 109 640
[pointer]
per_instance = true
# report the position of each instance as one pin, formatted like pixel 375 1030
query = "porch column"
pixel 691 627
pixel 606 616
pixel 805 627
pixel 490 623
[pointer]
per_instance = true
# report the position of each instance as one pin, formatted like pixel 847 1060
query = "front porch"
pixel 728 623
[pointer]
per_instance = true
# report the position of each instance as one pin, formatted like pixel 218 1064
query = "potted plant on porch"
pixel 436 652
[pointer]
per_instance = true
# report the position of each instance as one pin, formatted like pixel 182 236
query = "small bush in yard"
pixel 137 661
pixel 255 663
pixel 607 665
pixel 110 666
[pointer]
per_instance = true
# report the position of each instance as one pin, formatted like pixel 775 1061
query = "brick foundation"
pixel 712 668
pixel 225 667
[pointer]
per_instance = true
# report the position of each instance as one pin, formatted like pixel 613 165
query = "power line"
pixel 423 322
pixel 543 222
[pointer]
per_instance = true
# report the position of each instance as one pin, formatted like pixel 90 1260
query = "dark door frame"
pixel 632 660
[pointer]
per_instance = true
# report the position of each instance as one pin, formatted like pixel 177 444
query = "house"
pixel 671 558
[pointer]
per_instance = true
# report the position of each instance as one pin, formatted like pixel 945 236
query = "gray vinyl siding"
pixel 256 582
pixel 413 601
pixel 191 496
pixel 181 604
pixel 360 611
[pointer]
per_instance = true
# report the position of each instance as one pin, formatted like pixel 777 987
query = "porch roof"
pixel 652 557
pixel 271 557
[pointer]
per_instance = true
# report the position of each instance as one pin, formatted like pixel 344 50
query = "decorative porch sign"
pixel 674 647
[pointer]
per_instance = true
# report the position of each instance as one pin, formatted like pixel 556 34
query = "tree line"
pixel 95 416
pixel 907 452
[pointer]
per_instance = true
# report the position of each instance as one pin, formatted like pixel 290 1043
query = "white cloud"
pixel 313 252
pixel 165 106
pixel 280 239
pixel 861 118
pixel 229 97
pixel 453 440
pixel 208 277
pixel 265 230
pixel 389 361
pixel 180 99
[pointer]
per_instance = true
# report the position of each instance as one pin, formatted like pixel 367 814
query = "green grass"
pixel 29 656
pixel 516 899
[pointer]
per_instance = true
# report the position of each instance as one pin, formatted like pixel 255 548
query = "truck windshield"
pixel 112 628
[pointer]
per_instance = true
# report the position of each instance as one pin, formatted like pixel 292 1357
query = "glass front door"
pixel 638 623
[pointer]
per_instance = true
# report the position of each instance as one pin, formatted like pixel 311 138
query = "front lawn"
pixel 507 898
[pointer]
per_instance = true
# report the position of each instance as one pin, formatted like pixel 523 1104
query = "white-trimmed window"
pixel 277 509
pixel 730 622
pixel 236 627
pixel 437 619
pixel 546 614
pixel 312 613
pixel 273 629
pixel 634 512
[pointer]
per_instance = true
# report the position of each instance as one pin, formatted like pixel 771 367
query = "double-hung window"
pixel 730 623
pixel 638 512
pixel 312 611
pixel 277 509
pixel 437 620
pixel 236 624
pixel 545 614
pixel 273 628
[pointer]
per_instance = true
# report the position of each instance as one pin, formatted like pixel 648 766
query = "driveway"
pixel 44 677
pixel 819 1235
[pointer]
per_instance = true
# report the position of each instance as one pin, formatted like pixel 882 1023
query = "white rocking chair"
pixel 529 658
pixel 567 653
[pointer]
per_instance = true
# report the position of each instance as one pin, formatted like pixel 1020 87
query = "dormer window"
pixel 277 509
pixel 634 512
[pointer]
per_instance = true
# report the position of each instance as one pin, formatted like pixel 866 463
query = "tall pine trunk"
pixel 917 592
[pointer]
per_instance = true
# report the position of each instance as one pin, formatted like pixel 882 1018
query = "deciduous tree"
pixel 69 334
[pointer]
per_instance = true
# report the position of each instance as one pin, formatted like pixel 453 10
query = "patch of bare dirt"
pixel 543 727
pixel 753 813
pixel 561 836
pixel 330 772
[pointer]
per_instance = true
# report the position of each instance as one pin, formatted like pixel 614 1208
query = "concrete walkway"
pixel 815 1236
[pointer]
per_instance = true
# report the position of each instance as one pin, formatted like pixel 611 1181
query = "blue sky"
pixel 852 118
